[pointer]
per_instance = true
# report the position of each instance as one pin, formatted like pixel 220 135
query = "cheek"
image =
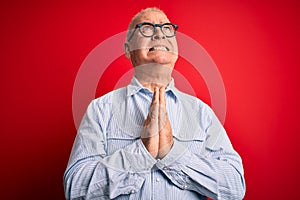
pixel 174 44
pixel 138 56
pixel 138 43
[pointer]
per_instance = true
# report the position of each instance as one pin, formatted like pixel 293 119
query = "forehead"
pixel 153 17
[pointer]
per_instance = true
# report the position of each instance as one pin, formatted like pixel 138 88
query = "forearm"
pixel 93 179
pixel 215 176
pixel 120 173
pixel 79 180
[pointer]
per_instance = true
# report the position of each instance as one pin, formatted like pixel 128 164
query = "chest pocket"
pixel 192 141
pixel 119 136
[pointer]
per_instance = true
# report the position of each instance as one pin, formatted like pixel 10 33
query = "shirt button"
pixel 157 179
pixel 181 135
pixel 165 168
pixel 132 191
pixel 185 187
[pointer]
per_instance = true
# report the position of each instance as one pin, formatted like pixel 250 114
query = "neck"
pixel 153 75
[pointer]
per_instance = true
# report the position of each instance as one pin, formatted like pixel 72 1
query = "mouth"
pixel 159 48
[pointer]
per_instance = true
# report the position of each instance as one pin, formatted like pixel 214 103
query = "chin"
pixel 164 60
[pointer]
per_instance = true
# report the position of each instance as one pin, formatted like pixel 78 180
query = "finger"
pixel 155 98
pixel 162 109
pixel 154 108
pixel 162 97
pixel 162 100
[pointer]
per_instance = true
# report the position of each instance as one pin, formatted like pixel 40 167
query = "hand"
pixel 165 131
pixel 150 136
pixel 157 132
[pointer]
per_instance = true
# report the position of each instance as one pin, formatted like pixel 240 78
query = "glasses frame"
pixel 138 26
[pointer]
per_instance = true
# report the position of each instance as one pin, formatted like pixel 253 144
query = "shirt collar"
pixel 135 86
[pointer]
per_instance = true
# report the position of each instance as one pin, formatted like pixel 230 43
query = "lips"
pixel 159 48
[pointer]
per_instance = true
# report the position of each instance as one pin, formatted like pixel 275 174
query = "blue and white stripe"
pixel 109 161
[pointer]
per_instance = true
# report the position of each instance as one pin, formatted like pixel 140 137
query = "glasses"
pixel 148 29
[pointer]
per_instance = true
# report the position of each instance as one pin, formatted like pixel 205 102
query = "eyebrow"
pixel 161 22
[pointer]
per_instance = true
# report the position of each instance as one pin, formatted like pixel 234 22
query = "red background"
pixel 255 46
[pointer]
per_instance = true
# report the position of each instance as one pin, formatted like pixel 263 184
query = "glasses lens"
pixel 168 30
pixel 147 30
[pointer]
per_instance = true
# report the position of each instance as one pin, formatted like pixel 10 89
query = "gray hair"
pixel 138 16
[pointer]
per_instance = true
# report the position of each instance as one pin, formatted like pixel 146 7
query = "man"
pixel 149 140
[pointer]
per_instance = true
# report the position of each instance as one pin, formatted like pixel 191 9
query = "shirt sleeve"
pixel 215 170
pixel 92 173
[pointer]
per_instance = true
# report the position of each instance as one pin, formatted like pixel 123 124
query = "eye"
pixel 147 29
pixel 168 29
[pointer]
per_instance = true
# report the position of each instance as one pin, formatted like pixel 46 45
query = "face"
pixel 156 49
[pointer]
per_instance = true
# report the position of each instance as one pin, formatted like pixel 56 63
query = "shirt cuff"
pixel 188 171
pixel 138 156
pixel 178 149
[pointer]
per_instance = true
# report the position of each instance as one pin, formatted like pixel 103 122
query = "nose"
pixel 158 34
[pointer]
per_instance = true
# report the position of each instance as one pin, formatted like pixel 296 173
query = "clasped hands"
pixel 157 132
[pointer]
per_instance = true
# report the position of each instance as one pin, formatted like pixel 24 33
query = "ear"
pixel 127 50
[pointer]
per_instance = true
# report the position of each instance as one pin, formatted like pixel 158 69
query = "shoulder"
pixel 195 108
pixel 111 96
pixel 107 101
pixel 192 101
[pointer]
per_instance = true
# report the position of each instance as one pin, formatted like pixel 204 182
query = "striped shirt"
pixel 109 160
